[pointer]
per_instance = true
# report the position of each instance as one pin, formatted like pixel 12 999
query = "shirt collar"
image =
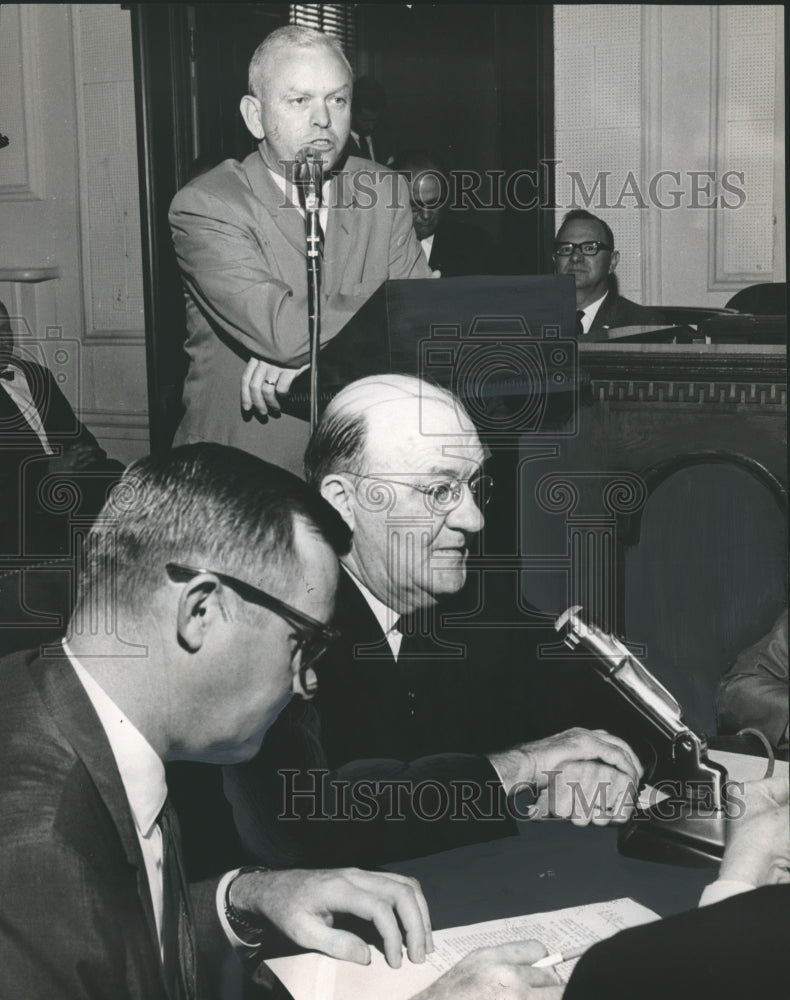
pixel 141 770
pixel 386 617
pixel 290 192
pixel 591 311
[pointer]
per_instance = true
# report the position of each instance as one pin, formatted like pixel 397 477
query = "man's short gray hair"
pixel 291 36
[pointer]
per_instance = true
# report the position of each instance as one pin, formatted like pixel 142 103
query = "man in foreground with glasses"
pixel 209 580
pixel 418 728
pixel 584 247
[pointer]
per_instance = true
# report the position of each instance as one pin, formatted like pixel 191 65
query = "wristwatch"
pixel 242 927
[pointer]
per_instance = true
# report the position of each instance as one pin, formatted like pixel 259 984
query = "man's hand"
pixel 79 456
pixel 261 382
pixel 758 842
pixel 302 904
pixel 503 972
pixel 580 775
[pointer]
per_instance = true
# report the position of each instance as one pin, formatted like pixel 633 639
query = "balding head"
pixel 400 460
pixel 428 189
pixel 344 432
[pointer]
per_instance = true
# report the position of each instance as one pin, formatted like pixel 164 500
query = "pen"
pixel 560 956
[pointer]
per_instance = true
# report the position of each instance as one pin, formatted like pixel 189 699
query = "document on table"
pixel 316 977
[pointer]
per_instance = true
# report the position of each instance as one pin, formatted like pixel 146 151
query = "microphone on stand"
pixel 308 177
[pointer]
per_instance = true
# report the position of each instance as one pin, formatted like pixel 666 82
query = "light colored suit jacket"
pixel 241 250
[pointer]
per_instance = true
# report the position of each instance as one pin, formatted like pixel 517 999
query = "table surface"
pixel 550 865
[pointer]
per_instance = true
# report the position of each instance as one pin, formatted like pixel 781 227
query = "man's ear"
pixel 613 261
pixel 250 108
pixel 199 606
pixel 339 492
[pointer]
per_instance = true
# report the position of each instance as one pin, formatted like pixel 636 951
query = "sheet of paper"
pixel 315 977
pixel 740 767
pixel 744 767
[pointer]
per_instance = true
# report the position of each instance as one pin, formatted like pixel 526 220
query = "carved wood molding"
pixel 723 374
pixel 692 391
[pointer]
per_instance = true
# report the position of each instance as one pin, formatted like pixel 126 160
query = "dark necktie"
pixel 178 930
pixel 579 326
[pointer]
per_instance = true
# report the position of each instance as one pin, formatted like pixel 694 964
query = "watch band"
pixel 239 923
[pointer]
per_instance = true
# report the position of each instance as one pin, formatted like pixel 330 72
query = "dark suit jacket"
pixel 29 522
pixel 616 310
pixel 77 919
pixel 460 249
pixel 451 697
pixel 241 252
pixel 727 951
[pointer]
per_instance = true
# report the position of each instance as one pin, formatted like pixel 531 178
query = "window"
pixel 336 19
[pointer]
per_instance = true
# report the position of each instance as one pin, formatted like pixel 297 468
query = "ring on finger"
pixel 268 381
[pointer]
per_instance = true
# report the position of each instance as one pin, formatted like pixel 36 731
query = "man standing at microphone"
pixel 239 237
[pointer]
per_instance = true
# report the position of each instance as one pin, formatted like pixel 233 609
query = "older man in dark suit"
pixel 420 728
pixel 203 606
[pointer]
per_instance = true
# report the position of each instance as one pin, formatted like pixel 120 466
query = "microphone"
pixel 308 177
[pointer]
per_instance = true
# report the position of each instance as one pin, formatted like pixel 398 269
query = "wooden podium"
pixel 486 338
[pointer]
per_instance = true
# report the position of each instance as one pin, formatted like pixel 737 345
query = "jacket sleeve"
pixel 367 812
pixel 754 690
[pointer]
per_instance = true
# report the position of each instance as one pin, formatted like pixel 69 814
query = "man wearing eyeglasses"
pixel 209 580
pixel 415 736
pixel 584 247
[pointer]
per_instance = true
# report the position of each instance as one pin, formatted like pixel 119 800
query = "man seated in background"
pixel 753 693
pixel 239 237
pixel 451 245
pixel 42 441
pixel 584 247
pixel 406 703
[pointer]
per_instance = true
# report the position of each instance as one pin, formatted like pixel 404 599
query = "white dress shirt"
pixel 19 391
pixel 590 312
pixel 143 777
pixel 427 246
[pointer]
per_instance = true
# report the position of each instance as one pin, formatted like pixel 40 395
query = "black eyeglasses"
pixel 590 248
pixel 446 494
pixel 312 637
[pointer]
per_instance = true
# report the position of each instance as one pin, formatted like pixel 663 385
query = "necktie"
pixel 579 325
pixel 178 932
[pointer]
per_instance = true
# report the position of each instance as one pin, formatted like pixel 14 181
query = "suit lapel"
pixel 70 707
pixel 285 217
pixel 358 624
pixel 340 229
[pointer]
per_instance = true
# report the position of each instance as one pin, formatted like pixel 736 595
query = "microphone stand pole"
pixel 310 184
